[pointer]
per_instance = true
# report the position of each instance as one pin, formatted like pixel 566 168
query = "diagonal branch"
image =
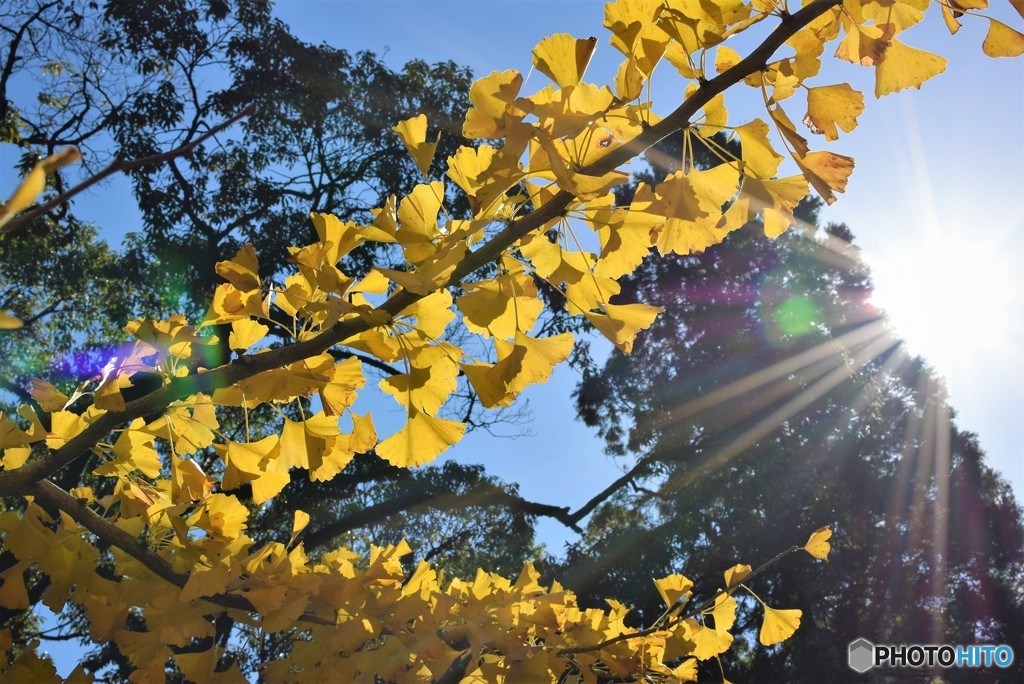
pixel 51 494
pixel 484 495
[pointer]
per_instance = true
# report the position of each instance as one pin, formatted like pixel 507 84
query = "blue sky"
pixel 946 160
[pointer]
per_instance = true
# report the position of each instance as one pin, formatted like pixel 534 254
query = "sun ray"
pixel 745 386
pixel 768 424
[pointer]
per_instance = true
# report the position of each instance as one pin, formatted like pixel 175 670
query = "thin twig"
pixel 119 165
pixel 659 627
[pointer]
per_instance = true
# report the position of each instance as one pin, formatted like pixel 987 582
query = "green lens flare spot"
pixel 796 316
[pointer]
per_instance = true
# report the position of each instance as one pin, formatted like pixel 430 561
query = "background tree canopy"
pixel 769 397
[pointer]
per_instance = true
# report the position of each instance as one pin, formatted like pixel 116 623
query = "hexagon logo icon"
pixel 862 655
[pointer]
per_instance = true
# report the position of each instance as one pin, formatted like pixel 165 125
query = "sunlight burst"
pixel 954 302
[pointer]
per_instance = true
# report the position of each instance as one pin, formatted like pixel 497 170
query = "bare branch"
pixel 118 166
pixel 483 495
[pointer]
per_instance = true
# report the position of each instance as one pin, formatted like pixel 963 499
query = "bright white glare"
pixel 953 296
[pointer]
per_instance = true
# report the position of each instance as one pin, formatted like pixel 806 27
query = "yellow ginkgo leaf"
pixel 374 283
pixel 626 19
pixel 490 380
pixel 832 106
pixel 417 216
pixel 422 439
pixel 864 45
pixel 649 48
pixel 1002 40
pixel 35 182
pixel 305 441
pixel 541 356
pixel 47 396
pixel 64 425
pixel 682 60
pixel 243 270
pixel 14 457
pixel 826 172
pixel 759 157
pixel 808 46
pixel 552 262
pixel 268 485
pixel 485 174
pixel 189 483
pixel 500 306
pixel 339 238
pixel 724 611
pixel 13 595
pixel 950 17
pixel 205 582
pixel 245 333
pixel 673 588
pixel 492 97
pixel 340 392
pixel 8 322
pixel 620 323
pixel 686 671
pixel 433 313
pixel 708 642
pixel 905 67
pixel 563 58
pixel 432 377
pixel 679 204
pixel 625 237
pixel 133 450
pixel 222 515
pixel 589 293
pixel 413 133
pixel 230 304
pixel 785 126
pixel 716 116
pixel 566 111
pixel 298 524
pixel 245 461
pixel 726 58
pixel 364 435
pixel 775 199
pixel 691 204
pixel 779 624
pixel 735 575
pixel 818 545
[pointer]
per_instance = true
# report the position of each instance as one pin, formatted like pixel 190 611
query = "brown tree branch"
pixel 483 495
pixel 12 56
pixel 52 495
